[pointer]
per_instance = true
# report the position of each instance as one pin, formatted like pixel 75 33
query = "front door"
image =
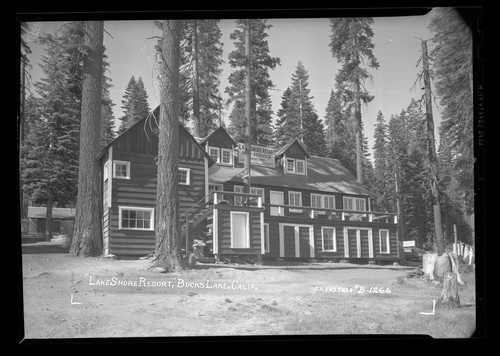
pixel 296 240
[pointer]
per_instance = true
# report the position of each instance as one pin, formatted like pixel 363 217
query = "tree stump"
pixel 449 296
pixel 442 266
pixel 428 261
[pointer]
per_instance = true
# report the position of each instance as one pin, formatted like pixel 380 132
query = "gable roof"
pixel 286 147
pixel 218 131
pixel 326 175
pixel 150 129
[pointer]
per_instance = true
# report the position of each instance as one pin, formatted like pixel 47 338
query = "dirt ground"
pixel 67 297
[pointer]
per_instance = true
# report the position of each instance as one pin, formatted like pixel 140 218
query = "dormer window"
pixel 221 155
pixel 214 153
pixel 295 166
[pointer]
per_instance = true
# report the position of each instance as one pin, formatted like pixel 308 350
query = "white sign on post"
pixel 260 156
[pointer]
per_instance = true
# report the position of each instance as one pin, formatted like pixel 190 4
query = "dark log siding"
pixel 274 244
pixel 224 230
pixel 140 190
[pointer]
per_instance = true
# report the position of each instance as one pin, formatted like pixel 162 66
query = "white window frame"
pixel 127 164
pixel 323 228
pixel 277 211
pixel 323 198
pixel 266 237
pixel 135 208
pixel 218 153
pixel 292 160
pixel 303 173
pixel 387 240
pixel 292 210
pixel 247 227
pixel 354 203
pixel 222 150
pixel 188 175
pixel 238 199
pixel 260 191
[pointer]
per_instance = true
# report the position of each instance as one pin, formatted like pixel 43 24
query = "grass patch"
pixel 452 323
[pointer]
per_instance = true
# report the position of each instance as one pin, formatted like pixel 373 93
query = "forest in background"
pixel 396 173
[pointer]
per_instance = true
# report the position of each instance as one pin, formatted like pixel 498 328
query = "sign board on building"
pixel 260 156
pixel 409 243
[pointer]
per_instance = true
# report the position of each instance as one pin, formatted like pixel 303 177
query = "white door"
pixel 276 198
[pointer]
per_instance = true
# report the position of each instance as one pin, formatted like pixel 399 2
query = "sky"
pixel 130 49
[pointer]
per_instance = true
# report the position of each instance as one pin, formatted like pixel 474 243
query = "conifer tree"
pixel 351 43
pixel 135 104
pixel 380 157
pixel 201 60
pixel 339 136
pixel 262 62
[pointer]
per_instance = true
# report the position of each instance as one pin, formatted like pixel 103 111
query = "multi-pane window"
pixel 136 218
pixel 295 199
pixel 214 153
pixel 384 241
pixel 300 166
pixel 227 156
pixel 329 242
pixel 357 204
pixel 238 199
pixel 259 191
pixel 183 176
pixel 296 166
pixel 121 169
pixel 322 201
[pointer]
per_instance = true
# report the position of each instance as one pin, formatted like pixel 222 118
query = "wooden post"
pixel 455 245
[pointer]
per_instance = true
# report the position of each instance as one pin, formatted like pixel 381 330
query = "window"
pixel 329 239
pixel 266 238
pixel 383 238
pixel 238 199
pixel 259 191
pixel 296 166
pixel 357 204
pixel 322 201
pixel 295 199
pixel 136 218
pixel 183 176
pixel 240 230
pixel 121 169
pixel 214 153
pixel 276 198
pixel 300 166
pixel 214 187
pixel 227 156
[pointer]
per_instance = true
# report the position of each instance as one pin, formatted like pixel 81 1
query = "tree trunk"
pixel 87 239
pixel 168 254
pixel 442 266
pixel 358 133
pixel 432 157
pixel 248 128
pixel 198 130
pixel 48 220
pixel 449 296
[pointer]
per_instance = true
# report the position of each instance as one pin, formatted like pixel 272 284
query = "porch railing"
pixel 331 214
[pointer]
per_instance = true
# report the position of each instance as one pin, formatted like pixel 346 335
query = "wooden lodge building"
pixel 300 206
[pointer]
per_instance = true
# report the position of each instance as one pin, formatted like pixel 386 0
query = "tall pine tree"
pixel 201 61
pixel 298 118
pixel 351 43
pixel 135 104
pixel 262 62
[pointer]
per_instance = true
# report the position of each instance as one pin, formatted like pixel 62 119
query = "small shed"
pixel 35 223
